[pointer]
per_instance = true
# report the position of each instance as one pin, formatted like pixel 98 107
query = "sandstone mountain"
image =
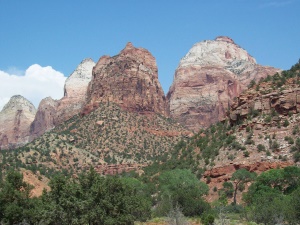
pixel 260 132
pixel 53 112
pixel 15 119
pixel 207 80
pixel 129 79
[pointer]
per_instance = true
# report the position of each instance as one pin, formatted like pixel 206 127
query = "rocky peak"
pixel 18 102
pixel 142 57
pixel 129 45
pixel 225 39
pixel 77 82
pixel 208 77
pixel 129 79
pixel 15 119
pixel 221 52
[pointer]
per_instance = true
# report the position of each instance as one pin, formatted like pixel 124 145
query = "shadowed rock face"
pixel 53 112
pixel 129 79
pixel 15 119
pixel 45 118
pixel 207 79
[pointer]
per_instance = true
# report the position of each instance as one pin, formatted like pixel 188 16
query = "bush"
pixel 290 140
pixel 268 119
pixel 208 219
pixel 182 188
pixel 286 123
pixel 252 83
pixel 261 148
pixel 296 130
pixel 246 154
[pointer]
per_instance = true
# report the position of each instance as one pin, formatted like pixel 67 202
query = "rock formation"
pixel 45 118
pixel 15 119
pixel 282 101
pixel 129 79
pixel 52 112
pixel 75 91
pixel 208 78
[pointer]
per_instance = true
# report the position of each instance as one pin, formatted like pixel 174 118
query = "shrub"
pixel 268 119
pixel 286 123
pixel 208 219
pixel 290 140
pixel 252 83
pixel 231 157
pixel 275 145
pixel 296 130
pixel 261 148
pixel 246 153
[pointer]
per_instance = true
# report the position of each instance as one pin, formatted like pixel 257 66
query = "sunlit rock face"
pixel 129 79
pixel 15 119
pixel 207 79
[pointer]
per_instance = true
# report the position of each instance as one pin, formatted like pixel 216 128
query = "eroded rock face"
pixel 219 175
pixel 208 78
pixel 129 79
pixel 75 91
pixel 45 118
pixel 53 112
pixel 15 119
pixel 283 102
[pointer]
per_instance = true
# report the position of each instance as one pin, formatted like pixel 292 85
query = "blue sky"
pixel 61 33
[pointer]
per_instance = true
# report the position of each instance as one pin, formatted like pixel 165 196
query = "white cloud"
pixel 35 84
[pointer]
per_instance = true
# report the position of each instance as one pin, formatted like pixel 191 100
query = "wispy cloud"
pixel 276 4
pixel 35 83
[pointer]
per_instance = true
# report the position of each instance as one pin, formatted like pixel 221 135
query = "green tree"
pixel 239 178
pixel 15 202
pixel 228 188
pixel 95 200
pixel 295 205
pixel 183 188
pixel 270 207
pixel 273 197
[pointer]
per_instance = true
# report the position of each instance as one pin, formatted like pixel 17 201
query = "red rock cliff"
pixel 129 79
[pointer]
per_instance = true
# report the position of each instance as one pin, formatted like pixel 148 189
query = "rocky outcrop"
pixel 53 112
pixel 15 119
pixel 115 169
pixel 218 175
pixel 224 173
pixel 129 79
pixel 283 102
pixel 45 118
pixel 208 78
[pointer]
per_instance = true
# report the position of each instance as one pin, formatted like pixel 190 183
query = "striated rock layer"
pixel 129 79
pixel 52 112
pixel 208 78
pixel 282 101
pixel 15 119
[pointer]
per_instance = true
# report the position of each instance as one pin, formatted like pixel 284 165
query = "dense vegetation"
pixel 90 199
pixel 273 198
